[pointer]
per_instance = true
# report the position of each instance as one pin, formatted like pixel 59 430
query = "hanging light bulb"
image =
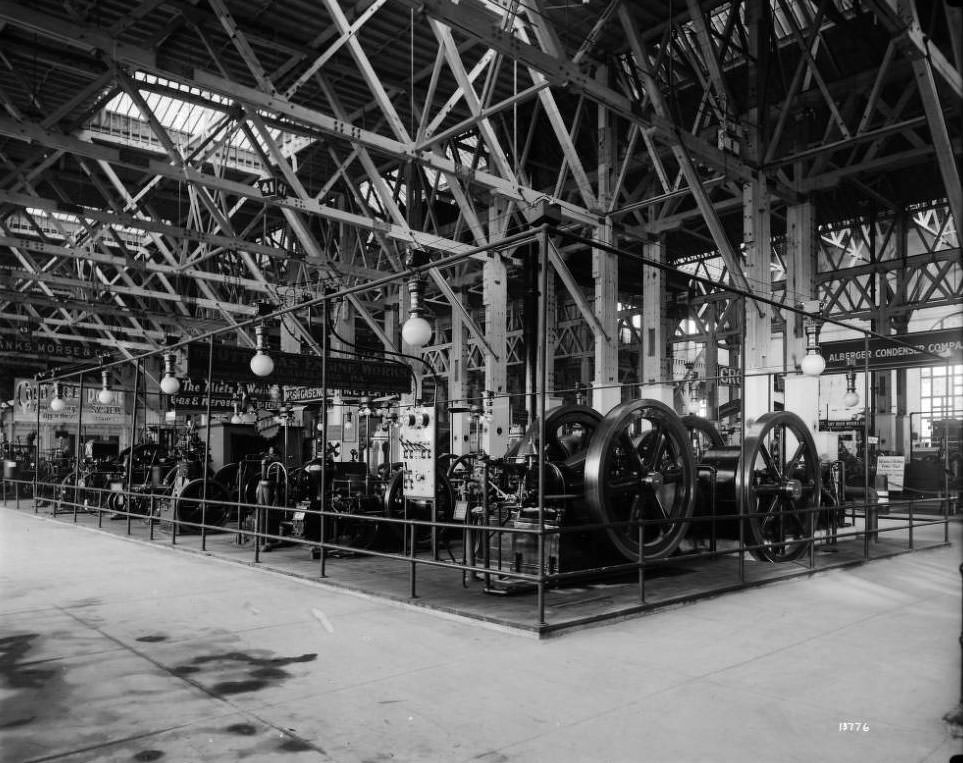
pixel 105 396
pixel 261 363
pixel 813 364
pixel 169 385
pixel 851 398
pixel 416 331
pixel 57 403
pixel 348 425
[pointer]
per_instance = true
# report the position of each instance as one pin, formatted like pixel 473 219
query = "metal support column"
pixel 542 385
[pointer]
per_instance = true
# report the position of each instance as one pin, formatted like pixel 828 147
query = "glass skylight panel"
pixel 185 120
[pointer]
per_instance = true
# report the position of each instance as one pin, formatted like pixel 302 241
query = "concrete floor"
pixel 113 650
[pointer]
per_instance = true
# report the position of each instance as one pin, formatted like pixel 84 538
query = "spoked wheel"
pixel 188 504
pixel 456 467
pixel 778 486
pixel 702 435
pixel 569 430
pixel 640 466
pixel 227 476
pixel 417 508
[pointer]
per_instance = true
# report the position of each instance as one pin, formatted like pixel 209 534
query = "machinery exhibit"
pixel 493 299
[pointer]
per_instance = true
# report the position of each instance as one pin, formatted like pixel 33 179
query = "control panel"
pixel 417 430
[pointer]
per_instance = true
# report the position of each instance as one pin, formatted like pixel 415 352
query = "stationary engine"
pixel 504 495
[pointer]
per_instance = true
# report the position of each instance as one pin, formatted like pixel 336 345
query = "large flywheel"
pixel 778 486
pixel 703 434
pixel 568 431
pixel 640 467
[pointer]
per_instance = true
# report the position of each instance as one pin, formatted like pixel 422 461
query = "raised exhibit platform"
pixel 443 588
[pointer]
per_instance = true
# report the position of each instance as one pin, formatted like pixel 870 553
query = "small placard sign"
pixel 894 468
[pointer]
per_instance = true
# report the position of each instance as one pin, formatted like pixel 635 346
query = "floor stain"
pixel 269 673
pixel 185 670
pixel 244 729
pixel 31 693
pixel 14 670
pixel 238 687
pixel 148 755
pixel 18 722
pixel 259 661
pixel 151 639
pixel 295 745
pixel 259 672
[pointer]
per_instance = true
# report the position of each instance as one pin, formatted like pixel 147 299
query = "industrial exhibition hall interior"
pixel 472 303
pixel 481 380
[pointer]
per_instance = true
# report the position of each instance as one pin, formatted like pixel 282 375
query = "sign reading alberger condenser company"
pixel 926 348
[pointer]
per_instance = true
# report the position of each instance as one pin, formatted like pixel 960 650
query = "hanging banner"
pixel 946 345
pixel 29 394
pixel 47 349
pixel 192 396
pixel 363 377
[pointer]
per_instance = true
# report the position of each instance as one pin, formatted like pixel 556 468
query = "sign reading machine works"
pixel 883 354
pixel 233 363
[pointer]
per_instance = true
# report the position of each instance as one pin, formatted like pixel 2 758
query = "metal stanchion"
pixel 173 510
pixel 36 457
pixel 742 543
pixel 961 661
pixel 411 572
pixel 911 523
pixel 322 488
pixel 867 410
pixel 207 444
pixel 955 716
pixel 133 441
pixel 641 563
pixel 80 441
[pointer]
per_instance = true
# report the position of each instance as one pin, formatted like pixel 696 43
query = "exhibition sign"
pixel 922 348
pixel 894 467
pixel 29 395
pixel 349 375
pixel 47 349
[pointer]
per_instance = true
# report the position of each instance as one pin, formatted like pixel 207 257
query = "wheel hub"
pixel 654 480
pixel 792 488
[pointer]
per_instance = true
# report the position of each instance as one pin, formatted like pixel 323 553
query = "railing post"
pixel 36 457
pixel 207 442
pixel 955 716
pixel 411 573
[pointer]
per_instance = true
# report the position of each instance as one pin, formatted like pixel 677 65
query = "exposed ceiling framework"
pixel 135 139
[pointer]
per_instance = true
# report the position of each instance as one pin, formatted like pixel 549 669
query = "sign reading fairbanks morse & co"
pixel 47 348
pixel 927 348
pixel 233 363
